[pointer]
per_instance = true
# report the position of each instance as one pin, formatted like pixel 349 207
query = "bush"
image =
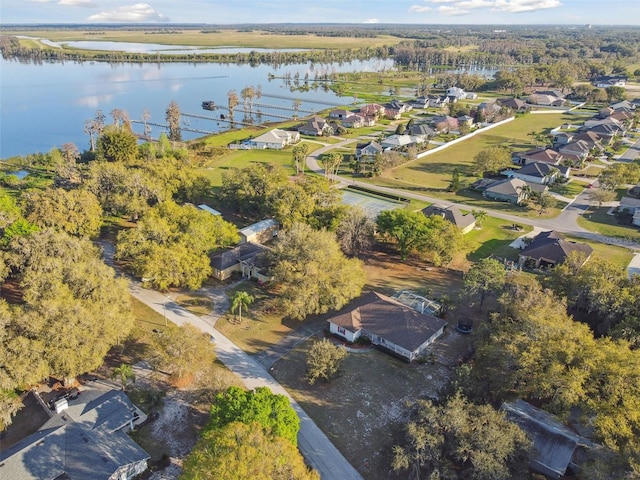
pixel 324 360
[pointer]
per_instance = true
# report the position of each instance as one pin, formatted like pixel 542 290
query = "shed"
pixel 554 443
pixel 259 232
pixel 208 209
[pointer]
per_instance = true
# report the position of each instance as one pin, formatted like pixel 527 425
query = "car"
pixel 590 185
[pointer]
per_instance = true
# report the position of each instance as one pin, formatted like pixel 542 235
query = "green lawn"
pixel 434 171
pixel 493 238
pixel 260 327
pixel 569 189
pixel 597 220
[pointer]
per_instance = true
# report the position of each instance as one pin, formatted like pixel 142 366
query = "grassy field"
pixel 493 238
pixel 221 37
pixel 597 220
pixel 569 189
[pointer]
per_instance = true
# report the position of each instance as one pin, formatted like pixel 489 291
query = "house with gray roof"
pixel 88 440
pixel 548 249
pixel 389 324
pixel 540 172
pixel 452 214
pixel 246 259
pixel 556 448
pixel 366 152
pixel 422 130
pixel 512 190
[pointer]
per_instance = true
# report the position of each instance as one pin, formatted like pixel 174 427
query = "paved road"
pixel 316 448
pixel 566 222
pixel 631 153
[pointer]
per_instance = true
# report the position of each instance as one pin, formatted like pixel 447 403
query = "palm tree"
pixel 480 216
pixel 125 372
pixel 240 299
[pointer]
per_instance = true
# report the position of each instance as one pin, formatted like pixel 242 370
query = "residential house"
pixel 372 110
pixel 576 151
pixel 340 114
pixel 512 190
pixel 444 123
pixel 392 113
pixel 489 110
pixel 465 120
pixel 605 81
pixel 367 151
pixel 402 107
pixel 545 99
pixel 246 259
pixel 317 127
pixel 260 232
pixel 455 94
pixel 275 139
pixel 546 155
pixel 389 324
pixel 356 121
pixel 437 101
pixel 420 102
pixel 422 131
pixel 452 214
pixel 556 448
pixel 395 142
pixel 540 172
pixel 87 440
pixel 514 104
pixel 549 249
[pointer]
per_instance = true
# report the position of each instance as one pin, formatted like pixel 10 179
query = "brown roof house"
pixel 389 324
pixel 317 127
pixel 452 214
pixel 549 249
pixel 86 440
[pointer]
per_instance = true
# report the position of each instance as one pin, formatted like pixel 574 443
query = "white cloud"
pixel 77 3
pixel 419 9
pixel 372 20
pixel 519 6
pixel 474 4
pixel 452 11
pixel 138 13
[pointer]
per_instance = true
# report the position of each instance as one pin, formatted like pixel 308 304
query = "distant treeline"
pixel 10 48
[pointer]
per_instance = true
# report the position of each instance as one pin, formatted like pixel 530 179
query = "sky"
pixel 502 12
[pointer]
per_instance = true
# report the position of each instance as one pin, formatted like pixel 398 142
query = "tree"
pixel 117 144
pixel 239 451
pixel 247 94
pixel 312 274
pixel 240 299
pixel 182 354
pixel 408 229
pixel 232 102
pixel 480 216
pixel 601 195
pixel 544 200
pixel 331 163
pixel 615 93
pixel 299 156
pixel 172 116
pixel 324 360
pixel 94 127
pixel 486 277
pixel 273 412
pixel 454 185
pixel 355 232
pixel 76 212
pixel 74 309
pixel 459 440
pixel 170 245
pixel 125 373
pixel 491 160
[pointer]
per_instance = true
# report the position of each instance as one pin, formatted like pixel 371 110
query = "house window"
pixel 342 331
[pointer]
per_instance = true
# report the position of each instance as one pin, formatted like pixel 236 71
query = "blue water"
pixel 45 105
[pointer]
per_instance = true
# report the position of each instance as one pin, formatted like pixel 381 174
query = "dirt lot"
pixel 363 409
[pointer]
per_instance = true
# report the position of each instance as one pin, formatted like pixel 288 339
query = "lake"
pixel 45 105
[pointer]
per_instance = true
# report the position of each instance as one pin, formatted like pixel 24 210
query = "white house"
pixel 399 141
pixel 389 324
pixel 275 139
